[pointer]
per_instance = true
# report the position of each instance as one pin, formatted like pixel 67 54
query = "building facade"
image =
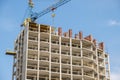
pixel 42 53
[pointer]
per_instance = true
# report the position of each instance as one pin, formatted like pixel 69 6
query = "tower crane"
pixel 34 15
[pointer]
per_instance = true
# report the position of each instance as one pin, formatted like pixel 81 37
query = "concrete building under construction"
pixel 45 53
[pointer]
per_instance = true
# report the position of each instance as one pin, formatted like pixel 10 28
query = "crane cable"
pixel 53 17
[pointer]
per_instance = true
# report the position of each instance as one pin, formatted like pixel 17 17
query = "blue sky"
pixel 101 18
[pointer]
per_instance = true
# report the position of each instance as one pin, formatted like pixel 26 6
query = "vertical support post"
pixel 60 57
pixel 50 54
pixel 70 35
pixel 13 68
pixel 97 63
pixel 38 52
pixel 81 58
pixel 26 50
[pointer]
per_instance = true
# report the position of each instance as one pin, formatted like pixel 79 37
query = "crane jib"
pixel 49 9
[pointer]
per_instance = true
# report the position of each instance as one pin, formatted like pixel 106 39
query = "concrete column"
pixel 82 59
pixel 104 65
pixel 13 68
pixel 38 52
pixel 71 55
pixel 25 52
pixel 97 63
pixel 50 54
pixel 60 57
pixel 17 59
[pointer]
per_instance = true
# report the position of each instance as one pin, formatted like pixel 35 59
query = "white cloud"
pixel 114 23
pixel 115 76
